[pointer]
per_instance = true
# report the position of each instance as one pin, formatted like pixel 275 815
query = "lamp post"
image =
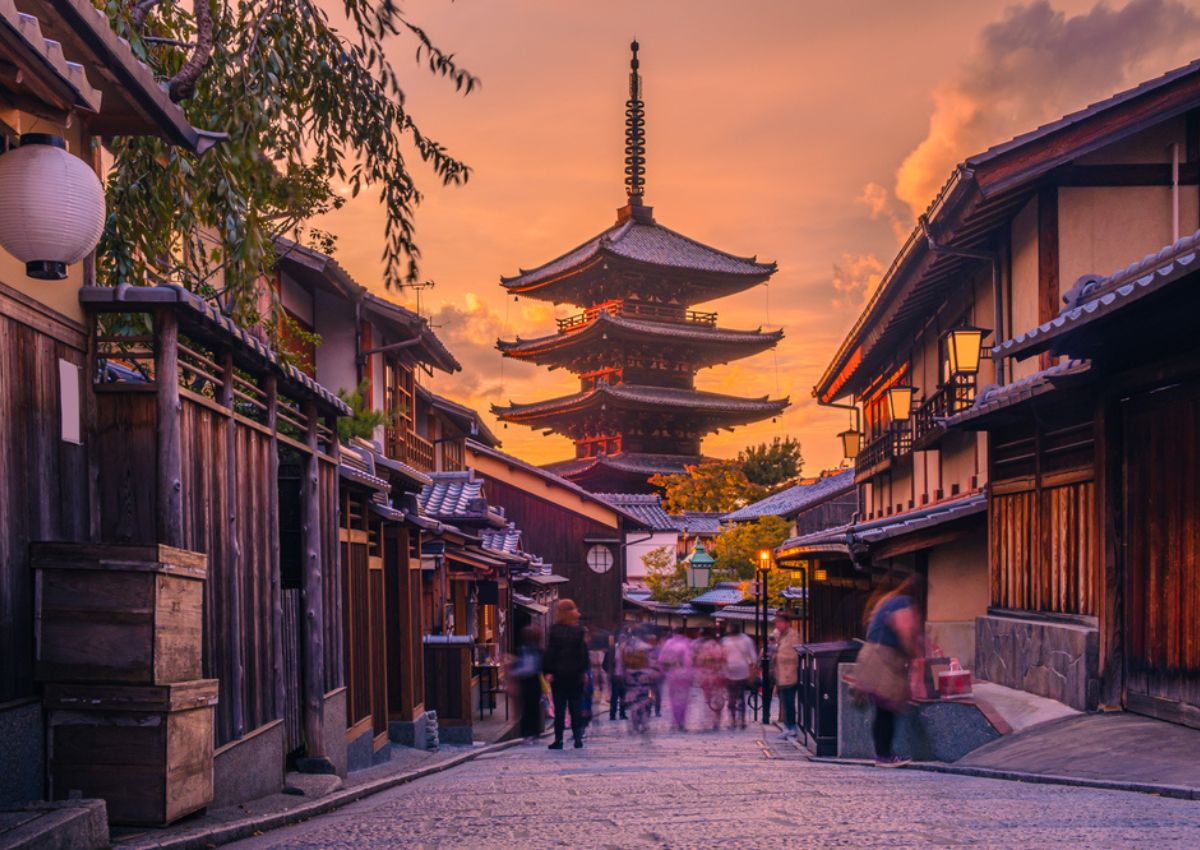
pixel 699 568
pixel 762 575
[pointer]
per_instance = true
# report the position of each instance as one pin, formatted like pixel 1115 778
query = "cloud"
pixel 1036 64
pixel 881 204
pixel 854 279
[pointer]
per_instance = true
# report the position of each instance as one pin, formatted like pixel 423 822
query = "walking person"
pixel 785 667
pixel 676 660
pixel 566 664
pixel 740 662
pixel 526 677
pixel 614 672
pixel 895 636
pixel 710 662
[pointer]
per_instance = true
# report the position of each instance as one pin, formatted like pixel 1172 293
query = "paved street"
pixel 728 789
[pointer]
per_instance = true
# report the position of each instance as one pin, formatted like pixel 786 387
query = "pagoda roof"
pixel 646 245
pixel 663 400
pixel 714 345
pixel 633 469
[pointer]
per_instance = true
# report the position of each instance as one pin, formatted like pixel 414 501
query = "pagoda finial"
pixel 635 134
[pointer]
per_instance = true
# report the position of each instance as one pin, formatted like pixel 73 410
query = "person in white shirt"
pixel 740 663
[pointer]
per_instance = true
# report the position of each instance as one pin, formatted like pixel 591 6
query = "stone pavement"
pixel 735 789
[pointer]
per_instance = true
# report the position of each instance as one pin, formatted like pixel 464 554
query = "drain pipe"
pixel 992 257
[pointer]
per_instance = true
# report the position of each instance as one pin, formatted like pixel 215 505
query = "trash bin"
pixel 819 692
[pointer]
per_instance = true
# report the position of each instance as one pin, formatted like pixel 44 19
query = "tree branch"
pixel 183 84
pixel 140 10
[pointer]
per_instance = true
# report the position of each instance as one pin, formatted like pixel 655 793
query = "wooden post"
pixel 270 386
pixel 91 428
pixel 1109 581
pixel 170 464
pixel 233 578
pixel 314 613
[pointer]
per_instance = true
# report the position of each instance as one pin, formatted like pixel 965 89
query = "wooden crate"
pixel 146 750
pixel 118 614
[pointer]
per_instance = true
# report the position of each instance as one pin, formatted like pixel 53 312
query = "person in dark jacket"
pixel 565 664
pixel 526 673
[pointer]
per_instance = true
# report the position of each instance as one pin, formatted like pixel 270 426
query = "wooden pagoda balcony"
pixel 955 396
pixel 877 456
pixel 637 310
pixel 411 448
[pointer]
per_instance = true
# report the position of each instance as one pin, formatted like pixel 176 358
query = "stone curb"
pixel 250 826
pixel 1179 792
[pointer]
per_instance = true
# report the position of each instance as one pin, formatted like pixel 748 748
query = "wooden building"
pixel 68 76
pixel 637 345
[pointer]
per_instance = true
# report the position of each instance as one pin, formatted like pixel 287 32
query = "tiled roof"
pixel 360 476
pixel 451 494
pixel 641 599
pixel 468 418
pixel 213 321
pixel 624 327
pixel 507 539
pixel 725 593
pixel 645 506
pixel 698 522
pixel 993 397
pixel 548 476
pixel 843 538
pixel 637 395
pixel 28 30
pixel 635 463
pixel 649 243
pixel 793 500
pixel 1093 297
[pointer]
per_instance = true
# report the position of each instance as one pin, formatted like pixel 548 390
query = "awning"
pixel 994 401
pixel 546 580
pixel 527 604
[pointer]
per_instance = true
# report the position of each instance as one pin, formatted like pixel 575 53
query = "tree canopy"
pixel 774 463
pixel 308 109
pixel 666 578
pixel 708 487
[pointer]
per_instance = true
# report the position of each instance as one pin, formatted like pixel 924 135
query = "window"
pixel 600 559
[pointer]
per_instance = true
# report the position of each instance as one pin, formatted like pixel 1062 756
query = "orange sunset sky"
pixel 803 132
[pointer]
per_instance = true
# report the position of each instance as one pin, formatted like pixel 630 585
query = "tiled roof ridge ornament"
pixel 635 148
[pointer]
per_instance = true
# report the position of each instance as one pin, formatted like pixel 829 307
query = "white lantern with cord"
pixel 53 210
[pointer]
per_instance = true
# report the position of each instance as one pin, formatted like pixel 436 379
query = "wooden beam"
pixel 170 464
pixel 271 387
pixel 1126 174
pixel 314 607
pixel 1110 566
pixel 233 554
pixel 1048 256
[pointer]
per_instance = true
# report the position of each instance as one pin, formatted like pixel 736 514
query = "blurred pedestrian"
pixel 895 636
pixel 525 674
pixel 675 659
pixel 566 664
pixel 785 668
pixel 614 673
pixel 740 663
pixel 710 664
pixel 640 675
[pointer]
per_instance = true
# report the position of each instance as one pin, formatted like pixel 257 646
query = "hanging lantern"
pixel 964 347
pixel 851 443
pixel 699 568
pixel 53 210
pixel 900 401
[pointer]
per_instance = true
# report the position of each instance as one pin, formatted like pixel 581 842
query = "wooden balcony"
pixel 411 448
pixel 637 310
pixel 877 456
pixel 952 397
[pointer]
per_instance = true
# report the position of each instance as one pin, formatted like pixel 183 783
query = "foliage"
pixel 719 486
pixel 365 420
pixel 736 552
pixel 306 108
pixel 772 464
pixel 666 577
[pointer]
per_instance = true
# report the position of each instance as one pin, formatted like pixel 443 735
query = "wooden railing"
pixel 952 397
pixel 878 454
pixel 411 448
pixel 637 310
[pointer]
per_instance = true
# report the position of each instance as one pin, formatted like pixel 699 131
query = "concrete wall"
pixel 250 767
pixel 22 752
pixel 335 730
pixel 296 298
pixel 1104 229
pixel 1022 308
pixel 1050 659
pixel 336 353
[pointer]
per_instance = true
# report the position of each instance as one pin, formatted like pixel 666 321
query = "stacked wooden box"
pixel 118 637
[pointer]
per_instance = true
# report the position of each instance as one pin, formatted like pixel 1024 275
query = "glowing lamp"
pixel 53 210
pixel 851 443
pixel 964 348
pixel 900 402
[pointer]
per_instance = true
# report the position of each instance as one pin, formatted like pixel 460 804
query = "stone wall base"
pixel 22 753
pixel 249 768
pixel 335 730
pixel 420 734
pixel 1060 661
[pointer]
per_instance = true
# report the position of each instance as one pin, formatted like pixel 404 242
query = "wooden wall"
pixel 557 535
pixel 44 491
pixel 1042 533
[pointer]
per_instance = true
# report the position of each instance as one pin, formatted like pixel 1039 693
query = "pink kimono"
pixel 675 658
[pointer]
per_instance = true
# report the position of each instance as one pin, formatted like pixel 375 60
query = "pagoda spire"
pixel 635 134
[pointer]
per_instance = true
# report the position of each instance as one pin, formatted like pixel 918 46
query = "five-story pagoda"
pixel 637 345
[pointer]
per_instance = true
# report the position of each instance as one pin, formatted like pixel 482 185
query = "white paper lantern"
pixel 51 206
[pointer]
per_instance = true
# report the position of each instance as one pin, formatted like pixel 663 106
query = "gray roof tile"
pixel 789 502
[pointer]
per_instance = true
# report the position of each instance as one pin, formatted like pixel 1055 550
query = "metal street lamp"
pixel 851 443
pixel 762 573
pixel 900 402
pixel 699 568
pixel 964 348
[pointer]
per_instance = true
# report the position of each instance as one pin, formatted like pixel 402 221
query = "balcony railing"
pixel 877 455
pixel 637 310
pixel 952 397
pixel 411 448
